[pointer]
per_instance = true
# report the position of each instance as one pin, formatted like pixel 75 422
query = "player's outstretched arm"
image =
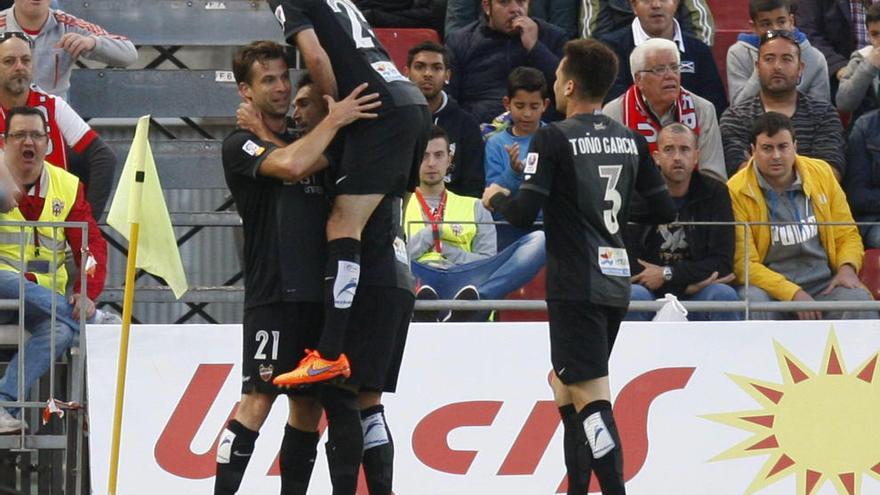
pixel 305 156
pixel 317 62
pixel 520 210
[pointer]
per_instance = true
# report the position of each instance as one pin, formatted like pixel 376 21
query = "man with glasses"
pixel 95 163
pixel 50 194
pixel 656 19
pixel 656 99
pixel 818 127
pixel 61 39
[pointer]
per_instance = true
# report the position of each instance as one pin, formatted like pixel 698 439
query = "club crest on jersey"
pixel 279 14
pixel 57 207
pixel 599 126
pixel 531 163
pixel 252 148
pixel 266 372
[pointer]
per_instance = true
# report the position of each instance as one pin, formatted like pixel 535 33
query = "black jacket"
pixel 467 177
pixel 710 247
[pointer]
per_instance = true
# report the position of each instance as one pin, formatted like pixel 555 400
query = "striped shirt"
pixel 817 127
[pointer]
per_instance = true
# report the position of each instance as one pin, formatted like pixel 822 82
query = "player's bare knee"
pixel 253 409
pixel 369 398
pixel 305 413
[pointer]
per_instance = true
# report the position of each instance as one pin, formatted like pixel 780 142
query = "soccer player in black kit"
pixel 280 196
pixel 379 157
pixel 583 171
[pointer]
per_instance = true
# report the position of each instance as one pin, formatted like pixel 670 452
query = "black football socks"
pixel 233 454
pixel 345 438
pixel 298 452
pixel 378 451
pixel 577 452
pixel 340 284
pixel 603 440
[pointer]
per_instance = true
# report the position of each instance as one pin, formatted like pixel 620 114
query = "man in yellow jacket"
pixel 794 259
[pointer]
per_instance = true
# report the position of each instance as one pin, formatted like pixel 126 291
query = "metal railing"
pixel 25 442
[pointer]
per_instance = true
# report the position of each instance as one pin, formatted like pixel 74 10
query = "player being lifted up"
pixel 582 171
pixel 378 158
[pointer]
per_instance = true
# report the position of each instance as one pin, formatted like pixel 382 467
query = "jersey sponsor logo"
pixel 531 163
pixel 613 261
pixel 388 71
pixel 266 372
pixel 252 148
pixel 279 15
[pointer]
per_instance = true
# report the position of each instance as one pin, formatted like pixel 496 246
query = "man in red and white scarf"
pixel 656 99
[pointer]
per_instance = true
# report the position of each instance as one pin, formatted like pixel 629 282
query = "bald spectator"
pixel 656 99
pixel 483 54
pixel 60 39
pixel 819 131
pixel 656 19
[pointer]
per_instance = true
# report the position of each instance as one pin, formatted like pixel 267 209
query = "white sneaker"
pixel 106 317
pixel 8 424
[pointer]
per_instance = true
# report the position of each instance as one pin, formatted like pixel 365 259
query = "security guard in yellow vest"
pixel 452 242
pixel 43 193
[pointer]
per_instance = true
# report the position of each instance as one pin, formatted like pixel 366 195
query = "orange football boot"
pixel 314 369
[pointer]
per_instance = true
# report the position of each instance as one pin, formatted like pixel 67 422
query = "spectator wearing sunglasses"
pixel 60 39
pixel 656 99
pixel 780 67
pixel 88 157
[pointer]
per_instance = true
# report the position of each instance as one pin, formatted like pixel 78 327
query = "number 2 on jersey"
pixel 612 173
pixel 360 33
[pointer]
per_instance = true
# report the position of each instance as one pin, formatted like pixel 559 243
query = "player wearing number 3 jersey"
pixel 583 171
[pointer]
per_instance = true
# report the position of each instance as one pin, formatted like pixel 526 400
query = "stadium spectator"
pixel 427 65
pixel 483 53
pixel 61 39
pixel 793 259
pixel 404 13
pixel 655 19
pixel 451 241
pixel 560 13
pixel 742 78
pixel 656 99
pixel 779 67
pixel 96 161
pixel 836 28
pixel 862 181
pixel 691 262
pixel 507 148
pixel 859 83
pixel 600 17
pixel 41 185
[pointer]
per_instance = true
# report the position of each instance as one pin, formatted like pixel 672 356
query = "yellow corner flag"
pixel 138 199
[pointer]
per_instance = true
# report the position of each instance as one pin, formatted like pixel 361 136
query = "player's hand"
pixel 845 277
pixel 528 31
pixel 651 277
pixel 353 107
pixel 695 287
pixel 82 303
pixel 874 57
pixel 513 157
pixel 249 118
pixel 841 73
pixel 491 191
pixel 76 44
pixel 801 295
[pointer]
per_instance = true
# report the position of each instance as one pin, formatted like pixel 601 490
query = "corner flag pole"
pixel 128 300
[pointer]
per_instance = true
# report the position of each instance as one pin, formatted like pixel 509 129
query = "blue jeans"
pixel 38 321
pixel 713 292
pixel 495 276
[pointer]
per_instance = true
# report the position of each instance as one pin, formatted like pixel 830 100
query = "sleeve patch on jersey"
pixel 613 261
pixel 531 163
pixel 388 71
pixel 252 148
pixel 279 14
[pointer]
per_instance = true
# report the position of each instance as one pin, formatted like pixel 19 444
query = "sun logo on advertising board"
pixel 818 426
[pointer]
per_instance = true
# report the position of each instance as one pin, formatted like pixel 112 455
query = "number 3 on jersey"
pixel 361 34
pixel 612 173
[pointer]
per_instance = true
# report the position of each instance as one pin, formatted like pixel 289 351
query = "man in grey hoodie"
pixel 860 81
pixel 60 39
pixel 766 15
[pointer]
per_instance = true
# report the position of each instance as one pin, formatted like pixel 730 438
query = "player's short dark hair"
pixel 770 123
pixel 427 46
pixel 872 13
pixel 22 110
pixel 758 6
pixel 526 79
pixel 592 65
pixel 439 132
pixel 257 51
pixel 304 80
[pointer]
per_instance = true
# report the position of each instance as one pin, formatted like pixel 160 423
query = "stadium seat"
pixel 399 41
pixel 870 274
pixel 536 289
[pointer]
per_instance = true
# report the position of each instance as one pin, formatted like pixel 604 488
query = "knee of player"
pixel 369 398
pixel 305 413
pixel 253 409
